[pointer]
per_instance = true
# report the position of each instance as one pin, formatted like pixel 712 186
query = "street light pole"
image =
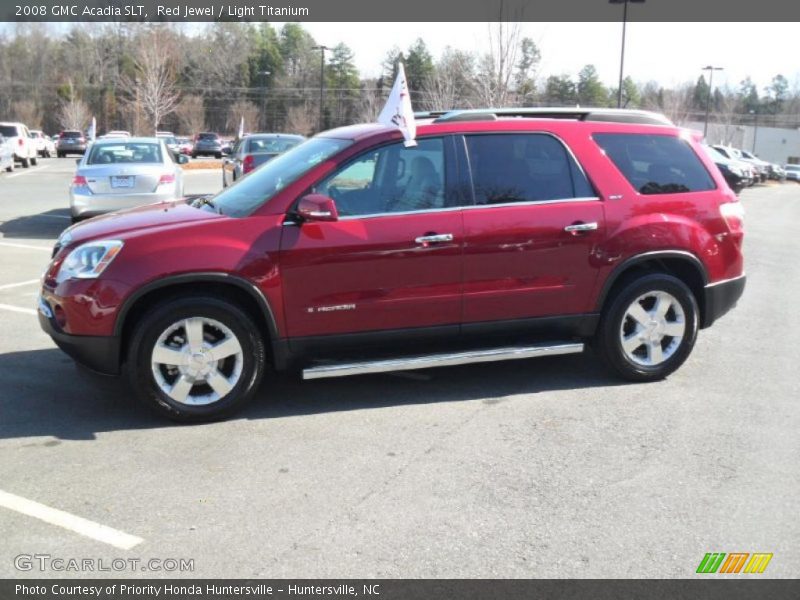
pixel 264 74
pixel 755 130
pixel 710 70
pixel 622 51
pixel 322 49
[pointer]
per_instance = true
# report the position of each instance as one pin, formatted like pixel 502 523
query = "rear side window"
pixel 656 164
pixel 8 130
pixel 523 167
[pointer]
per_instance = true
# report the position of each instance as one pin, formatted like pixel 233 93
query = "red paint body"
pixel 505 262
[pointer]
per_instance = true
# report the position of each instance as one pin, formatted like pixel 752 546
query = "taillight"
pixel 733 213
pixel 168 178
pixel 79 180
pixel 20 142
pixel 248 164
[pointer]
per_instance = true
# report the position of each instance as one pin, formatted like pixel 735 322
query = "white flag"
pixel 241 128
pixel 93 129
pixel 398 110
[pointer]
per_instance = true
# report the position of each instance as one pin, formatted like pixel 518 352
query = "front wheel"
pixel 196 359
pixel 649 328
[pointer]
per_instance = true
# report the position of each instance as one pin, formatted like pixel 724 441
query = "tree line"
pixel 143 77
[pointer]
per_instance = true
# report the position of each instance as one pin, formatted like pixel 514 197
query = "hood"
pixel 148 217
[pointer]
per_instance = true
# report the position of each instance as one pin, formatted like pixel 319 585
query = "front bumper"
pixel 98 353
pixel 720 297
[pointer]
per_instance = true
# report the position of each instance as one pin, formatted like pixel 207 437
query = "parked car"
pixel 351 253
pixel 254 150
pixel 762 166
pixel 123 173
pixel 70 142
pixel 754 173
pixel 735 173
pixel 207 144
pixel 186 145
pixel 6 155
pixel 792 172
pixel 776 172
pixel 117 133
pixel 44 145
pixel 171 142
pixel 22 145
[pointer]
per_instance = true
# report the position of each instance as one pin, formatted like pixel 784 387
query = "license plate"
pixel 122 181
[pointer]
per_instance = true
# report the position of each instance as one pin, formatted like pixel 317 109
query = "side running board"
pixel 427 361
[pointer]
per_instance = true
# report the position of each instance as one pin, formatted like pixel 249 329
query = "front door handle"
pixel 580 227
pixel 434 238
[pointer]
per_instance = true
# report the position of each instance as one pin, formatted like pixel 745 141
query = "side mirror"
pixel 316 207
pixel 182 159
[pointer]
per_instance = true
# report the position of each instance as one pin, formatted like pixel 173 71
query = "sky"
pixel 670 53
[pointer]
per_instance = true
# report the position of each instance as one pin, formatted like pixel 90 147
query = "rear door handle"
pixel 579 227
pixel 434 238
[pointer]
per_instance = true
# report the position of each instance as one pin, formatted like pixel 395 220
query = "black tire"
pixel 607 339
pixel 59 155
pixel 218 155
pixel 34 161
pixel 194 155
pixel 170 312
pixel 10 167
pixel 25 163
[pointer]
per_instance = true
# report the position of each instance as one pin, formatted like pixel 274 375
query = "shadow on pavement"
pixel 45 394
pixel 47 225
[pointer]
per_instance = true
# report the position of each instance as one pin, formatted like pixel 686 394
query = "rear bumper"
pixel 98 353
pixel 89 205
pixel 720 297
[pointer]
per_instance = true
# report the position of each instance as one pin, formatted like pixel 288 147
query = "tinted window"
pixel 8 130
pixel 390 179
pixel 525 167
pixel 656 164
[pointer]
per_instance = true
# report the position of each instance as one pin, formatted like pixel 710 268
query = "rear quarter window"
pixel 656 164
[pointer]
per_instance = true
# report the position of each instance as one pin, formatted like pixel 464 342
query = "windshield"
pixel 252 191
pixel 133 152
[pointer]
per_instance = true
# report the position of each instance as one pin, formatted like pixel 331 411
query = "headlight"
pixel 89 260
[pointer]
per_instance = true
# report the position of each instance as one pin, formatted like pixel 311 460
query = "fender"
pixel 278 347
pixel 644 257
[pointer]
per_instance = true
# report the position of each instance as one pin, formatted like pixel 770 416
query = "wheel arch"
pixel 678 263
pixel 232 287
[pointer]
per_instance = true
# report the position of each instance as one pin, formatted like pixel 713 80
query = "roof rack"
pixel 612 115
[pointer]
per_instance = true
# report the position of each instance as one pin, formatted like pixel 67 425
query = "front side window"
pixel 390 179
pixel 523 167
pixel 258 187
pixel 656 164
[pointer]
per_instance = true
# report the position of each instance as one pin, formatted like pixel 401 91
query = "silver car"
pixel 122 173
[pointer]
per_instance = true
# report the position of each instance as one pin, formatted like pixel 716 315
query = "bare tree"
pixel 26 111
pixel 153 85
pixel 302 118
pixel 73 112
pixel 369 105
pixel 246 109
pixel 192 114
pixel 496 68
pixel 678 103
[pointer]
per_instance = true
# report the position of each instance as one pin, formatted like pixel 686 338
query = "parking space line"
pixel 20 284
pixel 28 246
pixel 19 309
pixel 26 172
pixel 79 525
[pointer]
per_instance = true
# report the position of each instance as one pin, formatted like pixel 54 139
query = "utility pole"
pixel 622 52
pixel 322 49
pixel 264 75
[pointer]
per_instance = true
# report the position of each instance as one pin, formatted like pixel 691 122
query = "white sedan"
pixel 115 174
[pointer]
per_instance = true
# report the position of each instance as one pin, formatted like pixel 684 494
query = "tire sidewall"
pixel 158 320
pixel 611 345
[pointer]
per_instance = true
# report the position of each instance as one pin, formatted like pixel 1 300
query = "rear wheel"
pixel 34 161
pixel 649 328
pixel 196 359
pixel 25 163
pixel 218 155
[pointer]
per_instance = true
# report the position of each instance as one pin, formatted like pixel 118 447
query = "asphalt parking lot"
pixel 539 468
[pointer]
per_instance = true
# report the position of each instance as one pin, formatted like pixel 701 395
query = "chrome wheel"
pixel 652 329
pixel 197 361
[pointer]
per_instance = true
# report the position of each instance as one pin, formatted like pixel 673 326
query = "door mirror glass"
pixel 317 207
pixel 182 159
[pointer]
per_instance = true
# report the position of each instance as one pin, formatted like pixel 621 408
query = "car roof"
pixel 614 115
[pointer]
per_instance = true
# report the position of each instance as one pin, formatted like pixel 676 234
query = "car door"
pixel 392 260
pixel 529 239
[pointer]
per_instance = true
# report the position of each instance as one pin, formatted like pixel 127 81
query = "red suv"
pixel 499 235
